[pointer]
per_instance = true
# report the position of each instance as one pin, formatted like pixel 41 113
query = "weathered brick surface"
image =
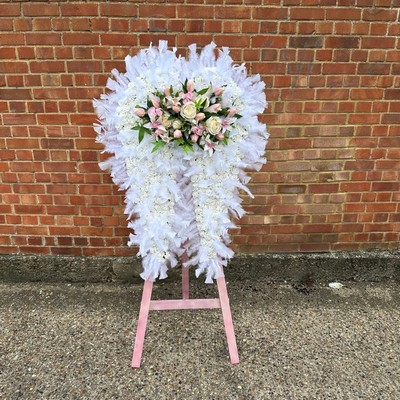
pixel 332 75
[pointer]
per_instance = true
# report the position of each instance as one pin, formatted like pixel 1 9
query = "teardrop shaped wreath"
pixel 181 133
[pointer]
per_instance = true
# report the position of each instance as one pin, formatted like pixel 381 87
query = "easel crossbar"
pixel 184 304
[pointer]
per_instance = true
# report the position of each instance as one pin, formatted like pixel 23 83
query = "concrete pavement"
pixel 74 341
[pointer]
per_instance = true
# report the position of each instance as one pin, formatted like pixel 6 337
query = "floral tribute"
pixel 181 134
pixel 186 116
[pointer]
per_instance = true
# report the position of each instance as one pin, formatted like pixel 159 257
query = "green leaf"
pixel 137 128
pixel 238 116
pixel 202 91
pixel 141 133
pixel 185 85
pixel 187 147
pixel 157 145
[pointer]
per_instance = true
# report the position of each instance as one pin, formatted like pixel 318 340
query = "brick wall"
pixel 332 74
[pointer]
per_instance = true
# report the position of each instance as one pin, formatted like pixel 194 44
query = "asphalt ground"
pixel 74 341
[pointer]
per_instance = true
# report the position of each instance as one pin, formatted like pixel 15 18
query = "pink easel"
pixel 184 304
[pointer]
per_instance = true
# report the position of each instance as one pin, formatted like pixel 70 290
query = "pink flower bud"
pixel 167 91
pixel 159 132
pixel 194 138
pixel 140 112
pixel 232 112
pixel 200 116
pixel 155 101
pixel 220 136
pixel 216 107
pixel 176 108
pixel 177 134
pixel 190 86
pixel 218 91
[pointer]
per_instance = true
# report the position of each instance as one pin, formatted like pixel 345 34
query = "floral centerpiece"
pixel 181 133
pixel 186 116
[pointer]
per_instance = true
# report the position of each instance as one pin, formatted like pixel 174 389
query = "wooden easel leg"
pixel 142 323
pixel 227 316
pixel 185 278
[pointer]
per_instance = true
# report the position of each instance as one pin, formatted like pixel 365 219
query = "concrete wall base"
pixel 372 265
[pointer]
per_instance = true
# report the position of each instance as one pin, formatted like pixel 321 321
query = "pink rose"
pixel 220 136
pixel 140 112
pixel 177 134
pixel 194 138
pixel 176 108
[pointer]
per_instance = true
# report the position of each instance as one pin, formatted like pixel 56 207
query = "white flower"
pixel 188 110
pixel 165 120
pixel 177 124
pixel 214 125
pixel 202 101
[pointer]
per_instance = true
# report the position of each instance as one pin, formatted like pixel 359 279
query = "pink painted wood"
pixel 185 303
pixel 142 323
pixel 188 304
pixel 227 316
pixel 185 278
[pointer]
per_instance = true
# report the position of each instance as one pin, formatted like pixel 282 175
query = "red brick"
pixel 80 39
pixel 240 12
pixel 43 38
pixel 118 39
pixel 81 24
pixel 41 24
pixel 379 14
pixel 378 42
pixel 269 41
pixel 120 10
pixel 15 94
pixel 32 9
pixel 9 10
pixel 343 13
pixel 342 42
pixel 12 38
pixel 306 41
pixel 272 13
pixel 307 13
pixel 84 66
pixel 52 119
pixel 57 143
pixel 166 11
pixel 19 119
pixel 79 9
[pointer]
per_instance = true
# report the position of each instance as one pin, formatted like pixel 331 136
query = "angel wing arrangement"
pixel 181 133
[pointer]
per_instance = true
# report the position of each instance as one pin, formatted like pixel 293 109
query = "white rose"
pixel 213 125
pixel 165 121
pixel 188 110
pixel 177 124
